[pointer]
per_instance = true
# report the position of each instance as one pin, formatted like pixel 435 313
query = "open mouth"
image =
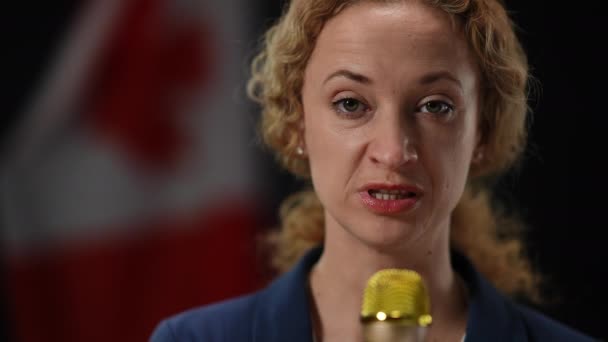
pixel 391 195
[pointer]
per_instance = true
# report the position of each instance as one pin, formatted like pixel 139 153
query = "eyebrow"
pixel 426 79
pixel 350 75
pixel 439 75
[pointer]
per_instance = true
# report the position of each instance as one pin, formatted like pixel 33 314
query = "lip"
pixel 388 207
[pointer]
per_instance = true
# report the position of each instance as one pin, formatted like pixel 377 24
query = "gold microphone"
pixel 396 307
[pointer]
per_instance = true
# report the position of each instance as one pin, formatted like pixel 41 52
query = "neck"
pixel 338 279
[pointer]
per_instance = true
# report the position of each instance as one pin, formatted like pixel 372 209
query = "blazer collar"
pixel 282 310
pixel 283 314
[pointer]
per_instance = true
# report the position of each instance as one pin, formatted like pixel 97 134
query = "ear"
pixel 478 155
pixel 478 151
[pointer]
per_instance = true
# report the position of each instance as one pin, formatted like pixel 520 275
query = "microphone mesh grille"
pixel 396 295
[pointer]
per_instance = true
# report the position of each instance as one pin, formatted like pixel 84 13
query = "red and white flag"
pixel 129 193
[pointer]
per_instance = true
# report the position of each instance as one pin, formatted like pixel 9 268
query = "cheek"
pixel 320 143
pixel 447 163
pixel 321 148
pixel 329 142
pixel 334 154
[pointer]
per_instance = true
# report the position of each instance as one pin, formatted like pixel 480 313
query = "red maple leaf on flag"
pixel 151 62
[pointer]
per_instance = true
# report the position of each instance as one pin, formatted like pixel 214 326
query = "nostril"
pixel 393 159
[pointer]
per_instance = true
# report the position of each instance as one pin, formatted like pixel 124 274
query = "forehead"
pixel 394 38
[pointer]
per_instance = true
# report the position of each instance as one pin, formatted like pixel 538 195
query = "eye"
pixel 350 107
pixel 437 107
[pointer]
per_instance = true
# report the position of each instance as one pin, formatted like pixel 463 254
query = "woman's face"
pixel 390 102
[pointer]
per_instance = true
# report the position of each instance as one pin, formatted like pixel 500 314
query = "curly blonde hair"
pixel 477 229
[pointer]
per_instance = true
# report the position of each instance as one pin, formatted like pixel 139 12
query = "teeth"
pixel 391 192
pixel 389 195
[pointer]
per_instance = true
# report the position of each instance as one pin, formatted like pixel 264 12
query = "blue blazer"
pixel 280 313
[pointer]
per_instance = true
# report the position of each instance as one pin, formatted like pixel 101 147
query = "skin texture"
pixel 390 96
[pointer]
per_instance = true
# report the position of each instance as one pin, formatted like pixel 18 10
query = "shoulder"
pixel 542 328
pixel 496 317
pixel 224 321
pixel 276 313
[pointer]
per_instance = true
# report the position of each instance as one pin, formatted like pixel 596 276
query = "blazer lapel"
pixel 282 310
pixel 492 317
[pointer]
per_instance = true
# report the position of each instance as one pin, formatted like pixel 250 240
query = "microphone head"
pixel 396 295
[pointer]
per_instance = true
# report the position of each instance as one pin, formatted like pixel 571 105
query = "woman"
pixel 399 111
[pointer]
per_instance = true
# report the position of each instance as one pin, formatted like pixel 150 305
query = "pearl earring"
pixel 478 156
pixel 299 151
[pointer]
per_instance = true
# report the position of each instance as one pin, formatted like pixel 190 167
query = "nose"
pixel 393 145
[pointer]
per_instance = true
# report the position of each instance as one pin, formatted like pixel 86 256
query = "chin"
pixel 388 235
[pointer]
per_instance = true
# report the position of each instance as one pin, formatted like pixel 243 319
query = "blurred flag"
pixel 128 193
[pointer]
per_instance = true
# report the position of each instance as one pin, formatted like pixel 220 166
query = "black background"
pixel 559 191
